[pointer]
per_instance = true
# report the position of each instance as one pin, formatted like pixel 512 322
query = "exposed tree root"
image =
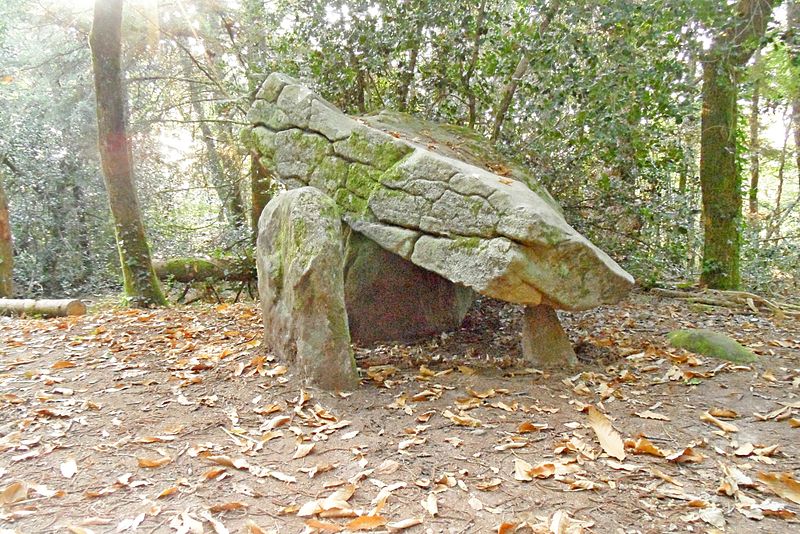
pixel 738 300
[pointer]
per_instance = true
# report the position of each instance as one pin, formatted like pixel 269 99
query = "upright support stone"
pixel 544 342
pixel 300 260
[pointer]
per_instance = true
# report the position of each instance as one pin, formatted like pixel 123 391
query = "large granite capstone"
pixel 427 194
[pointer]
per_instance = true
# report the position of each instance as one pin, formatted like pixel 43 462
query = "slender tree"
pixel 793 20
pixel 755 145
pixel 6 247
pixel 140 282
pixel 521 69
pixel 720 179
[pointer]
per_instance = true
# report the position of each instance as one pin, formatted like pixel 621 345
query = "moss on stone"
pixel 363 180
pixel 467 243
pixel 351 202
pixel 331 174
pixel 710 343
pixel 380 154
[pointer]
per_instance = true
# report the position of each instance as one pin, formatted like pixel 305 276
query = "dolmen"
pixel 390 225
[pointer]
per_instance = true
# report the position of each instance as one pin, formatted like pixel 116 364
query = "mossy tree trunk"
pixel 6 248
pixel 261 185
pixel 793 20
pixel 755 146
pixel 720 177
pixel 140 282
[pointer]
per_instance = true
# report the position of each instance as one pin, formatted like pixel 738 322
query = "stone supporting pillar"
pixel 544 342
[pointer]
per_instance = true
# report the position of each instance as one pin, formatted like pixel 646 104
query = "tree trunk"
pixel 140 282
pixel 6 247
pixel 755 103
pixel 225 186
pixel 466 77
pixel 793 20
pixel 261 189
pixel 720 179
pixel 200 269
pixel 520 71
pixel 407 78
pixel 48 308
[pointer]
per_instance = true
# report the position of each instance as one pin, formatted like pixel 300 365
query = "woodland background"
pixel 602 99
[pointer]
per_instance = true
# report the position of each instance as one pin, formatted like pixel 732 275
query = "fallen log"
pixel 187 270
pixel 44 307
pixel 737 300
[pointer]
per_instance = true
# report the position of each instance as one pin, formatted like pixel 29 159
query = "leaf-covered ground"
pixel 177 421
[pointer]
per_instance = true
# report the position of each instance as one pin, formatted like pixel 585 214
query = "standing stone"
pixel 391 299
pixel 300 259
pixel 544 342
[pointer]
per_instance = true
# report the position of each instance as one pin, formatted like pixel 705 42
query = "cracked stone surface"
pixel 436 196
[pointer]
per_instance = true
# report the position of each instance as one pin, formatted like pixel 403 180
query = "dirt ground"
pixel 177 421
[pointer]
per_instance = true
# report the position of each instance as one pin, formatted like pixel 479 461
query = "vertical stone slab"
pixel 544 342
pixel 300 260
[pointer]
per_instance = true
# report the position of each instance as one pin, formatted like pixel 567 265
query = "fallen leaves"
pixel 782 484
pixel 609 439
pixel 431 504
pixel 69 468
pixel 462 419
pixel 647 414
pixel 150 463
pixel 722 425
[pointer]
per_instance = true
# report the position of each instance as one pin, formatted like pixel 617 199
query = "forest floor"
pixel 176 420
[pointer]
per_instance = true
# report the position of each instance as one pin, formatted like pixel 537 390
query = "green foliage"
pixel 607 116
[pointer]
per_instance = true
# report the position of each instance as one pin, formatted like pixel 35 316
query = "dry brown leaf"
pixel 609 439
pixel 430 504
pixel 794 422
pixel 783 484
pixel 665 477
pixel 227 461
pixel 726 427
pixel 647 414
pixel 387 467
pixel 69 468
pixel 462 419
pixel 723 413
pixel 62 364
pixel 303 450
pixel 527 427
pixel 522 470
pixel 367 522
pixel 214 472
pixel 228 506
pixel 154 439
pixel 14 492
pixel 339 498
pixel 321 525
pixel 167 492
pixel 253 528
pixel 506 528
pixel 685 456
pixel 644 446
pixel 397 526
pixel 489 485
pixel 149 463
pixel 283 477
